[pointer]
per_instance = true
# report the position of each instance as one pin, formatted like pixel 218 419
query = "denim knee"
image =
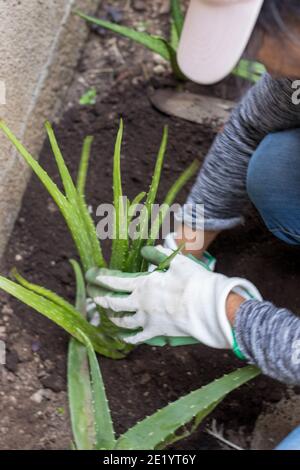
pixel 273 183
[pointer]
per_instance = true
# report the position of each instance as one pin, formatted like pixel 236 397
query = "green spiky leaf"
pixel 155 43
pixel 177 16
pixel 79 384
pixel 105 436
pixel 152 431
pixel 120 240
pixel 83 166
pixel 170 198
pixel 135 258
pixel 72 208
pixel 249 70
pixel 69 319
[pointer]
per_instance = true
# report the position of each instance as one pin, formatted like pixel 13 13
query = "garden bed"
pixel 33 405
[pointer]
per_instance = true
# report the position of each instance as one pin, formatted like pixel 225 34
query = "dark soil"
pixel 40 247
pixel 150 377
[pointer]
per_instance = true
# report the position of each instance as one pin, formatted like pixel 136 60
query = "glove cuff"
pixel 242 287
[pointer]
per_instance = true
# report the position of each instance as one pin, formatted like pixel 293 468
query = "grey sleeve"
pixel 221 183
pixel 269 337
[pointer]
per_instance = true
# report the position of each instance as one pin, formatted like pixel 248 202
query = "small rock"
pixel 165 7
pixel 38 396
pixel 114 15
pixel 159 69
pixel 7 310
pixel 139 5
pixel 48 394
pixel 52 207
pixel 12 361
pixel 48 365
pixel 53 382
pixel 13 400
pixel 145 378
pixel 18 257
pixel 2 331
pixel 24 351
pixel 35 346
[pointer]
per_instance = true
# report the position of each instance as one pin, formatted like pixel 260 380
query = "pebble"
pixel 12 361
pixel 2 330
pixel 159 69
pixel 53 382
pixel 38 396
pixel 145 378
pixel 114 15
pixel 24 352
pixel 35 346
pixel 139 5
pixel 7 310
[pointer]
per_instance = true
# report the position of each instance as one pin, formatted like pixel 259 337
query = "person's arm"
pixel 221 183
pixel 268 337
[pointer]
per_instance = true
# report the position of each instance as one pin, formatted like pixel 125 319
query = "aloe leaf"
pixel 120 240
pixel 138 199
pixel 170 198
pixel 188 432
pixel 135 258
pixel 105 436
pixel 51 187
pixel 48 294
pixel 74 211
pixel 177 16
pixel 135 202
pixel 69 321
pixel 249 70
pixel 83 227
pixel 174 39
pixel 154 256
pixel 79 384
pixel 97 256
pixel 166 263
pixel 66 178
pixel 83 166
pixel 152 431
pixel 70 215
pixel 157 171
pixel 155 43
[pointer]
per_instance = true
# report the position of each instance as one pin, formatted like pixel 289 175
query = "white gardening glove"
pixel 185 300
pixel 207 258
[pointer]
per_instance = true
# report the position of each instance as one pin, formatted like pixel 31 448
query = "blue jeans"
pixel 291 442
pixel 273 184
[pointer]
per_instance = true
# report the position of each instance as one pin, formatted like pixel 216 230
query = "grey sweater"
pixel 268 337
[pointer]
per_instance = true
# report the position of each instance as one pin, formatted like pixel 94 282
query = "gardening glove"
pixel 206 258
pixel 187 300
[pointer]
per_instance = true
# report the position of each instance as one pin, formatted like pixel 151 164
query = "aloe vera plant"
pixel 125 253
pixel 167 47
pixel 174 422
pixel 89 409
pixel 93 429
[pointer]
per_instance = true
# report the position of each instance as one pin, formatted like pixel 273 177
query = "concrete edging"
pixel 39 49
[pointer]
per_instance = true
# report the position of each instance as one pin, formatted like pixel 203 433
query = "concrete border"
pixel 40 44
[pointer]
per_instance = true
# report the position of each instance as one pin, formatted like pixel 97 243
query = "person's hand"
pixel 196 242
pixel 172 242
pixel 185 300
